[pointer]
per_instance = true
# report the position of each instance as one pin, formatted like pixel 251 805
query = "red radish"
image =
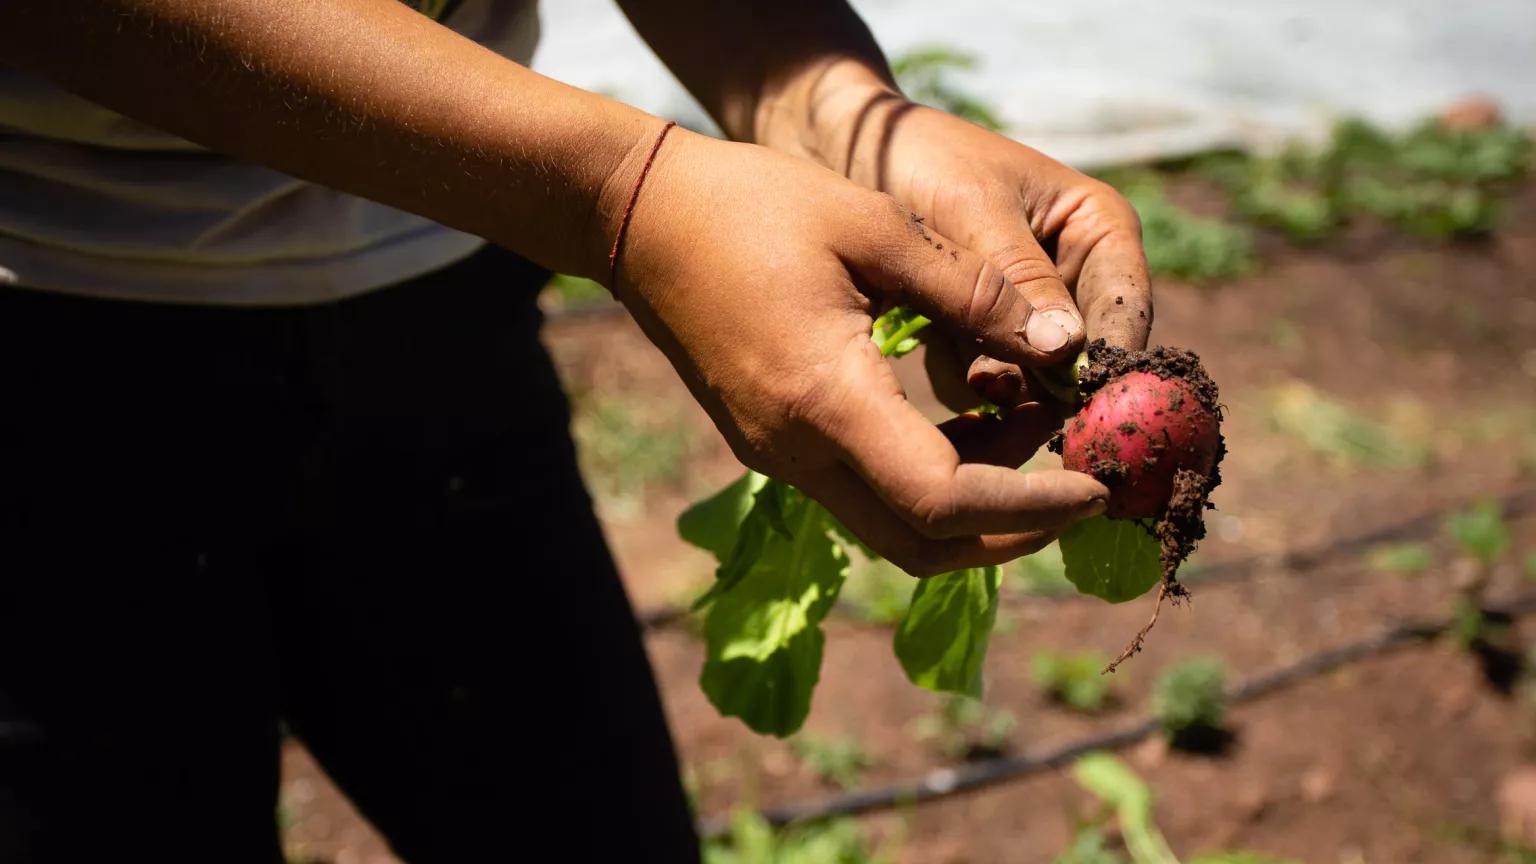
pixel 1135 433
pixel 1150 430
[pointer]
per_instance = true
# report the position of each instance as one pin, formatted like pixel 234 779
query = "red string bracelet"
pixel 629 209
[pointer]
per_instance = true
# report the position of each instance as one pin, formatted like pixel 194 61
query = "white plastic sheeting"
pixel 1104 81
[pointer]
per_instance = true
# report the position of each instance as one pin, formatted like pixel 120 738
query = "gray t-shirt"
pixel 94 203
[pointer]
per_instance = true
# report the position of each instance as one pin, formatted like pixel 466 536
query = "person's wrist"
pixel 821 113
pixel 618 187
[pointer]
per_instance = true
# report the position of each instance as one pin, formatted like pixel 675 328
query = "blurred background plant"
pixel 1190 702
pixel 963 728
pixel 1074 679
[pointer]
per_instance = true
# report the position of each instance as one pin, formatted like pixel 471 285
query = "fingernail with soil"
pixel 1067 319
pixel 1096 507
pixel 1043 333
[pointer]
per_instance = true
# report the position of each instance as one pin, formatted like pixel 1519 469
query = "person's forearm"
pixel 793 75
pixel 365 96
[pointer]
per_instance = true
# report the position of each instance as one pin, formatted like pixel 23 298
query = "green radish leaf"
pixel 1113 782
pixel 713 524
pixel 1111 558
pixel 942 643
pixel 756 531
pixel 762 633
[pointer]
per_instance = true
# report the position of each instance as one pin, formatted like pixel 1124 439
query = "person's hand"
pixel 1069 242
pixel 757 272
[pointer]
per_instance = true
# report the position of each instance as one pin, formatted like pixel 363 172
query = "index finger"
pixel 1100 255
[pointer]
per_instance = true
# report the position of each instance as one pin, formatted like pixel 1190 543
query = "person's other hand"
pixel 757 273
pixel 1069 242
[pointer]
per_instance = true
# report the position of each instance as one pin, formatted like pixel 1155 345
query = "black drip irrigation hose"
pixel 1514 505
pixel 944 782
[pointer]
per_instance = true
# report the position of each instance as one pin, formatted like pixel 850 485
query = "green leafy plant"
pixel 962 727
pixel 1129 802
pixel 1469 626
pixel 1073 679
pixel 942 643
pixel 1179 243
pixel 1190 702
pixel 1112 559
pixel 924 74
pixel 840 761
pixel 1431 181
pixel 1406 558
pixel 1480 533
pixel 783 560
pixel 1482 536
pixel 780 571
pixel 1345 436
pixel 753 841
pixel 1090 844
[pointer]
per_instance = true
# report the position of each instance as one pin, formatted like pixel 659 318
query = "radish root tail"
pixel 1175 593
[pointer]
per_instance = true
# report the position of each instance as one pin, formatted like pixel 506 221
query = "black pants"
pixel 361 520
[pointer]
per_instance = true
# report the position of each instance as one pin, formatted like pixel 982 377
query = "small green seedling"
pixel 1530 566
pixel 1180 243
pixel 965 728
pixel 1190 703
pixel 1480 533
pixel 839 761
pixel 1482 536
pixel 1090 845
pixel 1129 801
pixel 1409 559
pixel 753 841
pixel 1073 679
pixel 1345 436
pixel 1434 182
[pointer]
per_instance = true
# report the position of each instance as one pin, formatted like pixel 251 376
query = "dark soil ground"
pixel 1387 761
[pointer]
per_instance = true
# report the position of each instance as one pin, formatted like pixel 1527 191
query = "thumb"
pixel 907 262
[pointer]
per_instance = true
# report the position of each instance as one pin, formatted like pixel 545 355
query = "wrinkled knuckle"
pixel 1122 214
pixel 934 513
pixel 990 299
pixel 1033 271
